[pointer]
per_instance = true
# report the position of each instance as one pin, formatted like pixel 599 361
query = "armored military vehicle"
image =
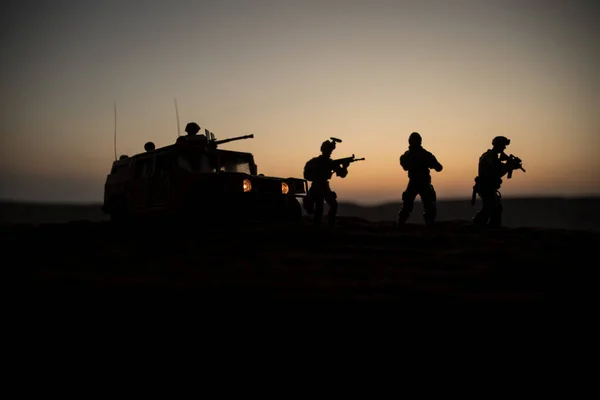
pixel 193 180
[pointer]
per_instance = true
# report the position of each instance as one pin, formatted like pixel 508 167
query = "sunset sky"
pixel 294 73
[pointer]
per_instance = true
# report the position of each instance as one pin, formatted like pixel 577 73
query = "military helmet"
pixel 500 141
pixel 327 146
pixel 192 128
pixel 149 146
pixel 415 139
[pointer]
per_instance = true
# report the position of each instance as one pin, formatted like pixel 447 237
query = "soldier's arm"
pixel 404 161
pixel 505 168
pixel 340 171
pixel 435 164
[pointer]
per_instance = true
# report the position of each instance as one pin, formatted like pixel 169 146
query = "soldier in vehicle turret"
pixel 418 161
pixel 192 130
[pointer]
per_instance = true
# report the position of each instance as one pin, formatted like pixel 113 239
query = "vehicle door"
pixel 160 184
pixel 142 170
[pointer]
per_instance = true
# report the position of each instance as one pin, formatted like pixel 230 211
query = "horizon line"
pixel 347 202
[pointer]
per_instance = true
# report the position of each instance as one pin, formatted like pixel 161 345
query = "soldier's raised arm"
pixel 435 164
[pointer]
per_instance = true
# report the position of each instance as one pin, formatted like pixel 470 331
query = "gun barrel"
pixel 348 160
pixel 251 136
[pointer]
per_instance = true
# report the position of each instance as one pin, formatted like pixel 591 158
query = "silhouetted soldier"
pixel 319 171
pixel 493 165
pixel 417 161
pixel 192 130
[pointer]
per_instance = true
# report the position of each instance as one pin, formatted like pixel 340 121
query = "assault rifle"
pixel 347 160
pixel 514 162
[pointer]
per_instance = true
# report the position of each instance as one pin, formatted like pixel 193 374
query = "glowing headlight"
pixel 247 185
pixel 284 188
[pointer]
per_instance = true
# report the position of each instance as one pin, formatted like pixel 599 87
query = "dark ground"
pixel 560 213
pixel 207 267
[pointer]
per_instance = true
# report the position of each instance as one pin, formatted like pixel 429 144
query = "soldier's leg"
pixel 317 198
pixel 317 216
pixel 487 204
pixel 308 203
pixel 429 197
pixel 331 199
pixel 496 212
pixel 408 202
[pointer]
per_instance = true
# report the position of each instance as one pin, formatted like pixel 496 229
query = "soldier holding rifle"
pixel 319 170
pixel 493 165
pixel 418 161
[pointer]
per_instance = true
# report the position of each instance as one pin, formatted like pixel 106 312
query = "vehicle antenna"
pixel 115 134
pixel 177 115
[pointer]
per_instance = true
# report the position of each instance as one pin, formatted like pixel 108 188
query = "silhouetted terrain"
pixel 582 213
pixel 557 213
pixel 453 263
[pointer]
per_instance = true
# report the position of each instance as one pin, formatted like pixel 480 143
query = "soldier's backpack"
pixel 310 169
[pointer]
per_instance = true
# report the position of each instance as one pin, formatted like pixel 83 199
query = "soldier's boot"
pixel 496 217
pixel 481 218
pixel 331 220
pixel 478 221
pixel 407 207
pixel 429 214
pixel 402 218
pixel 429 220
pixel 317 220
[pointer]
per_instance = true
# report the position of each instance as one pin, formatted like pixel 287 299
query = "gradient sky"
pixel 295 73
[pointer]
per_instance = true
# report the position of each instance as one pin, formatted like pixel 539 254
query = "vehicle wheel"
pixel 118 214
pixel 118 217
pixel 293 211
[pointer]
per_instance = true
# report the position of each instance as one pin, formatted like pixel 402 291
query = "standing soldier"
pixel 493 165
pixel 319 171
pixel 417 161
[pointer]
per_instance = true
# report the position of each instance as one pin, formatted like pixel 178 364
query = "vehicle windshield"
pixel 228 161
pixel 196 162
pixel 235 162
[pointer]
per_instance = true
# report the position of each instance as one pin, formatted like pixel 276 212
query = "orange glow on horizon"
pixel 296 74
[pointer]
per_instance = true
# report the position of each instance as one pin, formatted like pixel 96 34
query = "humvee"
pixel 193 179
